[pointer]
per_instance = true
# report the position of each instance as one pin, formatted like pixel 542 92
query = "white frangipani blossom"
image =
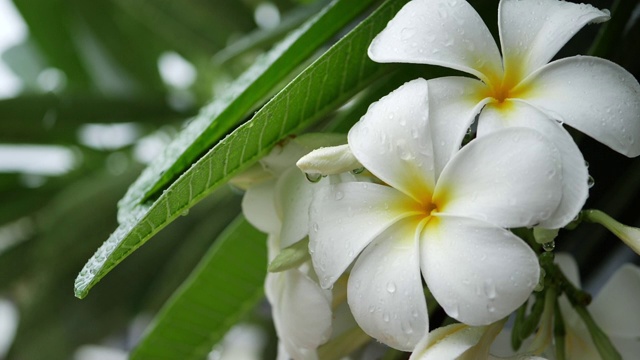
pixel 447 225
pixel 518 88
pixel 615 309
pixel 278 205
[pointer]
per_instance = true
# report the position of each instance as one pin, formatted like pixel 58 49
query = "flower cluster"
pixel 406 202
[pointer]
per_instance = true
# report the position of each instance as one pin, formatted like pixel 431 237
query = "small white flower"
pixel 449 225
pixel 278 204
pixel 614 309
pixel 518 88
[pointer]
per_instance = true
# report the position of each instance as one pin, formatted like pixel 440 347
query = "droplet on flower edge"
pixel 313 178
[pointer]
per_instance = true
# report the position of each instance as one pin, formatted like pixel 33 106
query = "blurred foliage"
pixel 88 62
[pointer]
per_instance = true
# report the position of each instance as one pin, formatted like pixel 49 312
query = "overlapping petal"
pixel 453 104
pixel 346 217
pixel 574 171
pixel 532 32
pixel 393 141
pixel 478 273
pixel 615 308
pixel 259 209
pixel 302 311
pixel 448 342
pixel 293 193
pixel 510 178
pixel 592 95
pixel 385 287
pixel 448 33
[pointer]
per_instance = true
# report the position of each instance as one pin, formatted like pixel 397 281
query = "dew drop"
pixel 591 181
pixel 371 309
pixel 490 289
pixel 391 287
pixel 314 178
pixel 385 317
pixel 315 227
pixel 185 213
pixel 357 171
pixel 338 195
pixel 407 33
pixel 491 308
pixel 549 246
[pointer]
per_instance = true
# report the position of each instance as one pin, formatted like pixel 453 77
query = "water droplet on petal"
pixel 357 171
pixel 407 33
pixel 338 195
pixel 385 317
pixel 391 287
pixel 591 181
pixel 490 289
pixel 314 178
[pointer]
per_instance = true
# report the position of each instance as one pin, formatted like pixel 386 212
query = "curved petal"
pixel 301 310
pixel 448 33
pixel 453 104
pixel 393 141
pixel 448 342
pixel 592 95
pixel 478 273
pixel 385 289
pixel 510 178
pixel 615 308
pixel 293 193
pixel 575 175
pixel 345 218
pixel 258 206
pixel 532 32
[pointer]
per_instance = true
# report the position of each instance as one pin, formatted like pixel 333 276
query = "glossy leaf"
pixel 218 118
pixel 325 85
pixel 226 285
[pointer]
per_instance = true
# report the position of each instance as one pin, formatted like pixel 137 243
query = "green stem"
pixel 600 339
pixel 559 332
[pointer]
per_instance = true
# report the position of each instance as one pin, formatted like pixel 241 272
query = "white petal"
pixel 510 178
pixel 345 218
pixel 447 342
pixel 385 288
pixel 259 208
pixel 615 308
pixel 478 273
pixel 532 32
pixel 393 141
pixel 592 95
pixel 301 310
pixel 448 33
pixel 575 176
pixel 453 104
pixel 293 193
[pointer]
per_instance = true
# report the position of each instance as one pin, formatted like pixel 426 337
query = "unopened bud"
pixel 329 161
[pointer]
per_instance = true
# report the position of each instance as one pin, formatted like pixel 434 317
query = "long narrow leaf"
pixel 221 116
pixel 325 85
pixel 226 285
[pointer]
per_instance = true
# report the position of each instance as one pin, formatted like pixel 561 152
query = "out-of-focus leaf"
pixel 45 117
pixel 52 24
pixel 222 115
pixel 225 286
pixel 261 37
pixel 326 84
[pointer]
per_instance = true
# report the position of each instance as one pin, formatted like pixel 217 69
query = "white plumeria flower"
pixel 590 94
pixel 462 342
pixel 449 225
pixel 278 205
pixel 614 309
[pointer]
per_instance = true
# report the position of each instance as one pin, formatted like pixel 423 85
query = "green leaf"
pixel 225 286
pixel 49 117
pixel 324 86
pixel 225 113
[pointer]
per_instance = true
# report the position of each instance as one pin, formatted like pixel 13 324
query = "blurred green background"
pixel 91 91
